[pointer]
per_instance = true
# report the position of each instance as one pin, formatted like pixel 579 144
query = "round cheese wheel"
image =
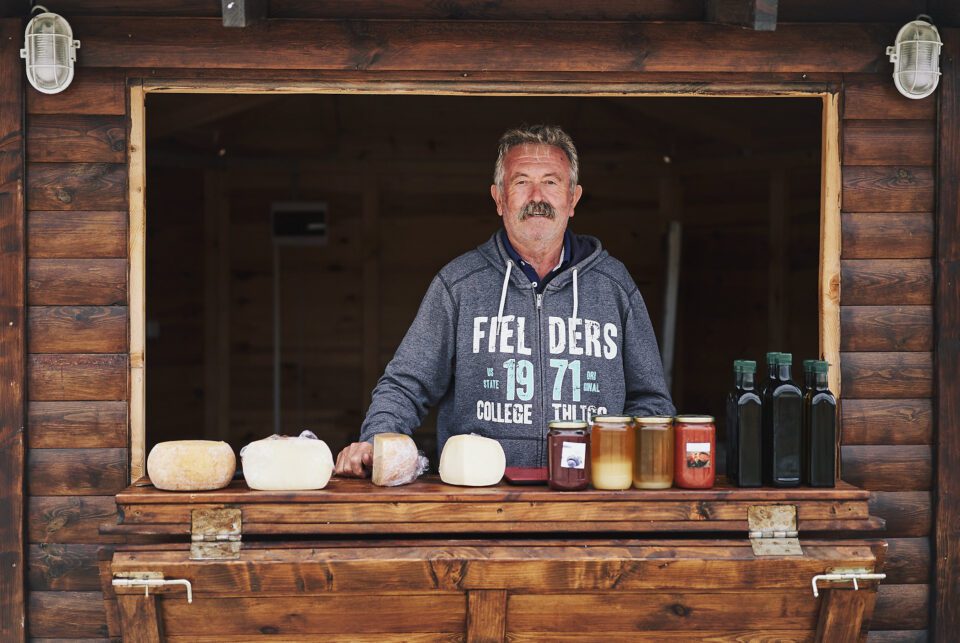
pixel 395 459
pixel 281 463
pixel 191 465
pixel 472 461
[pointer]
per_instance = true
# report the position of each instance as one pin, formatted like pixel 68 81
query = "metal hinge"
pixel 845 575
pixel 215 533
pixel 146 580
pixel 773 530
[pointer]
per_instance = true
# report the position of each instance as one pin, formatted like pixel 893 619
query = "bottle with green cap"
pixel 783 428
pixel 820 430
pixel 731 427
pixel 808 375
pixel 747 414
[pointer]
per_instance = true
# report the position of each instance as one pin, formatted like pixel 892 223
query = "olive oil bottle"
pixel 783 427
pixel 747 410
pixel 820 430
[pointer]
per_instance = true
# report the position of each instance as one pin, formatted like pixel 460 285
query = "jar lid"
pixel 654 419
pixel 568 425
pixel 612 419
pixel 694 419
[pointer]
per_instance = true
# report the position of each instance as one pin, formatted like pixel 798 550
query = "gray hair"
pixel 537 135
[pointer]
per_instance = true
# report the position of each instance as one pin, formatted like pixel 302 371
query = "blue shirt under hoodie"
pixel 502 360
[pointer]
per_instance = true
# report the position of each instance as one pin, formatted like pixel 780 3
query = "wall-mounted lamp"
pixel 916 58
pixel 50 51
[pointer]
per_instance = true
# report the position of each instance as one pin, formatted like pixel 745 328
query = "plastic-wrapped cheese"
pixel 472 461
pixel 282 463
pixel 396 460
pixel 191 465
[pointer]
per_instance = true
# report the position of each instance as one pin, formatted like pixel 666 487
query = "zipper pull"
pixel 539 300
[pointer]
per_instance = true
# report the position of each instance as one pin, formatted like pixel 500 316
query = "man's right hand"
pixel 355 461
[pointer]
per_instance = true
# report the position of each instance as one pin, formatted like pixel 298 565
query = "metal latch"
pixel 215 533
pixel 844 575
pixel 773 530
pixel 146 580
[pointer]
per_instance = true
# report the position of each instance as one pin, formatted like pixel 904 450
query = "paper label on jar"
pixel 698 455
pixel 573 455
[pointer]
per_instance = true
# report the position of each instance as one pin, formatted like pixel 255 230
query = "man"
pixel 537 324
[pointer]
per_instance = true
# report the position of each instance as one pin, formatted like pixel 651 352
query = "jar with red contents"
pixel 695 464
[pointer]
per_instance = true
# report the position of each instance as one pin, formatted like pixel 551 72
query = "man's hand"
pixel 355 461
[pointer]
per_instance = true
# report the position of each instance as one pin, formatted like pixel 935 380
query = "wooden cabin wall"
pixel 78 372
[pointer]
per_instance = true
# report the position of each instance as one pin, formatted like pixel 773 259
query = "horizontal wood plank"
pixel 77 425
pixel 77 186
pixel 887 421
pixel 66 615
pixel 908 561
pixel 879 282
pixel 77 234
pixel 908 514
pixel 69 567
pixel 82 472
pixel 875 96
pixel 886 328
pixel 888 468
pixel 472 45
pixel 898 636
pixel 893 188
pixel 74 138
pixel 78 377
pixel 902 607
pixel 69 519
pixel 98 91
pixel 878 235
pixel 888 142
pixel 77 329
pixel 77 282
pixel 887 375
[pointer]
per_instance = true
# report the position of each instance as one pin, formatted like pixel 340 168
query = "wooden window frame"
pixel 830 177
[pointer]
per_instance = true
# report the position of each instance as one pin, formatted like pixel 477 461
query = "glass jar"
pixel 654 460
pixel 612 450
pixel 568 464
pixel 695 452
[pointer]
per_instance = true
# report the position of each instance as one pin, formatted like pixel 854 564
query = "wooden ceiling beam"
pixel 759 15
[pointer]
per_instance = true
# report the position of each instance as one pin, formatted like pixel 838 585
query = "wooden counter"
pixel 427 562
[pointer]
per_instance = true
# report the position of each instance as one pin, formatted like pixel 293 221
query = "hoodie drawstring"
pixel 576 297
pixel 503 297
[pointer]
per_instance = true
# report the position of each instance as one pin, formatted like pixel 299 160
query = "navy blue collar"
pixel 528 270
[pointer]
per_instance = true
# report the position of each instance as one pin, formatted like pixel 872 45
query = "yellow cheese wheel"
pixel 191 465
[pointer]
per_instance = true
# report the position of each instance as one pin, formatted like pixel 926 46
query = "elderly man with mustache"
pixel 535 325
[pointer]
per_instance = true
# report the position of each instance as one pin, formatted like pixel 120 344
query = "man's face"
pixel 536 200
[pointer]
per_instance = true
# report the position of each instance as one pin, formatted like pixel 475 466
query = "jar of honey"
pixel 612 451
pixel 654 460
pixel 568 462
pixel 695 464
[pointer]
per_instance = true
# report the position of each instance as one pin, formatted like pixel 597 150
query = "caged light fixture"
pixel 916 58
pixel 50 51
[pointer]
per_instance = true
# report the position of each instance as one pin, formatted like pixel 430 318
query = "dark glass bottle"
pixel 821 430
pixel 808 375
pixel 732 434
pixel 808 382
pixel 766 395
pixel 783 434
pixel 749 429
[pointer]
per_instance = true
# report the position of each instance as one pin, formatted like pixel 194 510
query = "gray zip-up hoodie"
pixel 502 361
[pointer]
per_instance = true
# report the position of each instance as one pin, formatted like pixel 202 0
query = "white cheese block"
pixel 472 461
pixel 191 465
pixel 395 459
pixel 281 463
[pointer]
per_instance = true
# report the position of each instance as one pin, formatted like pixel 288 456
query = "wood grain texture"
pixel 69 567
pixel 898 636
pixel 886 328
pixel 908 561
pixel 77 377
pixel 461 46
pixel 896 235
pixel 77 282
pixel 887 375
pixel 67 138
pixel 902 607
pixel 69 519
pixel 894 142
pixel 486 615
pixel 888 468
pixel 874 96
pixel 82 472
pixel 908 514
pixel 140 618
pixel 78 234
pixel 77 329
pixel 887 421
pixel 77 186
pixel 892 188
pixel 12 332
pixel 66 615
pixel 78 425
pixel 842 613
pixel 879 282
pixel 98 91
